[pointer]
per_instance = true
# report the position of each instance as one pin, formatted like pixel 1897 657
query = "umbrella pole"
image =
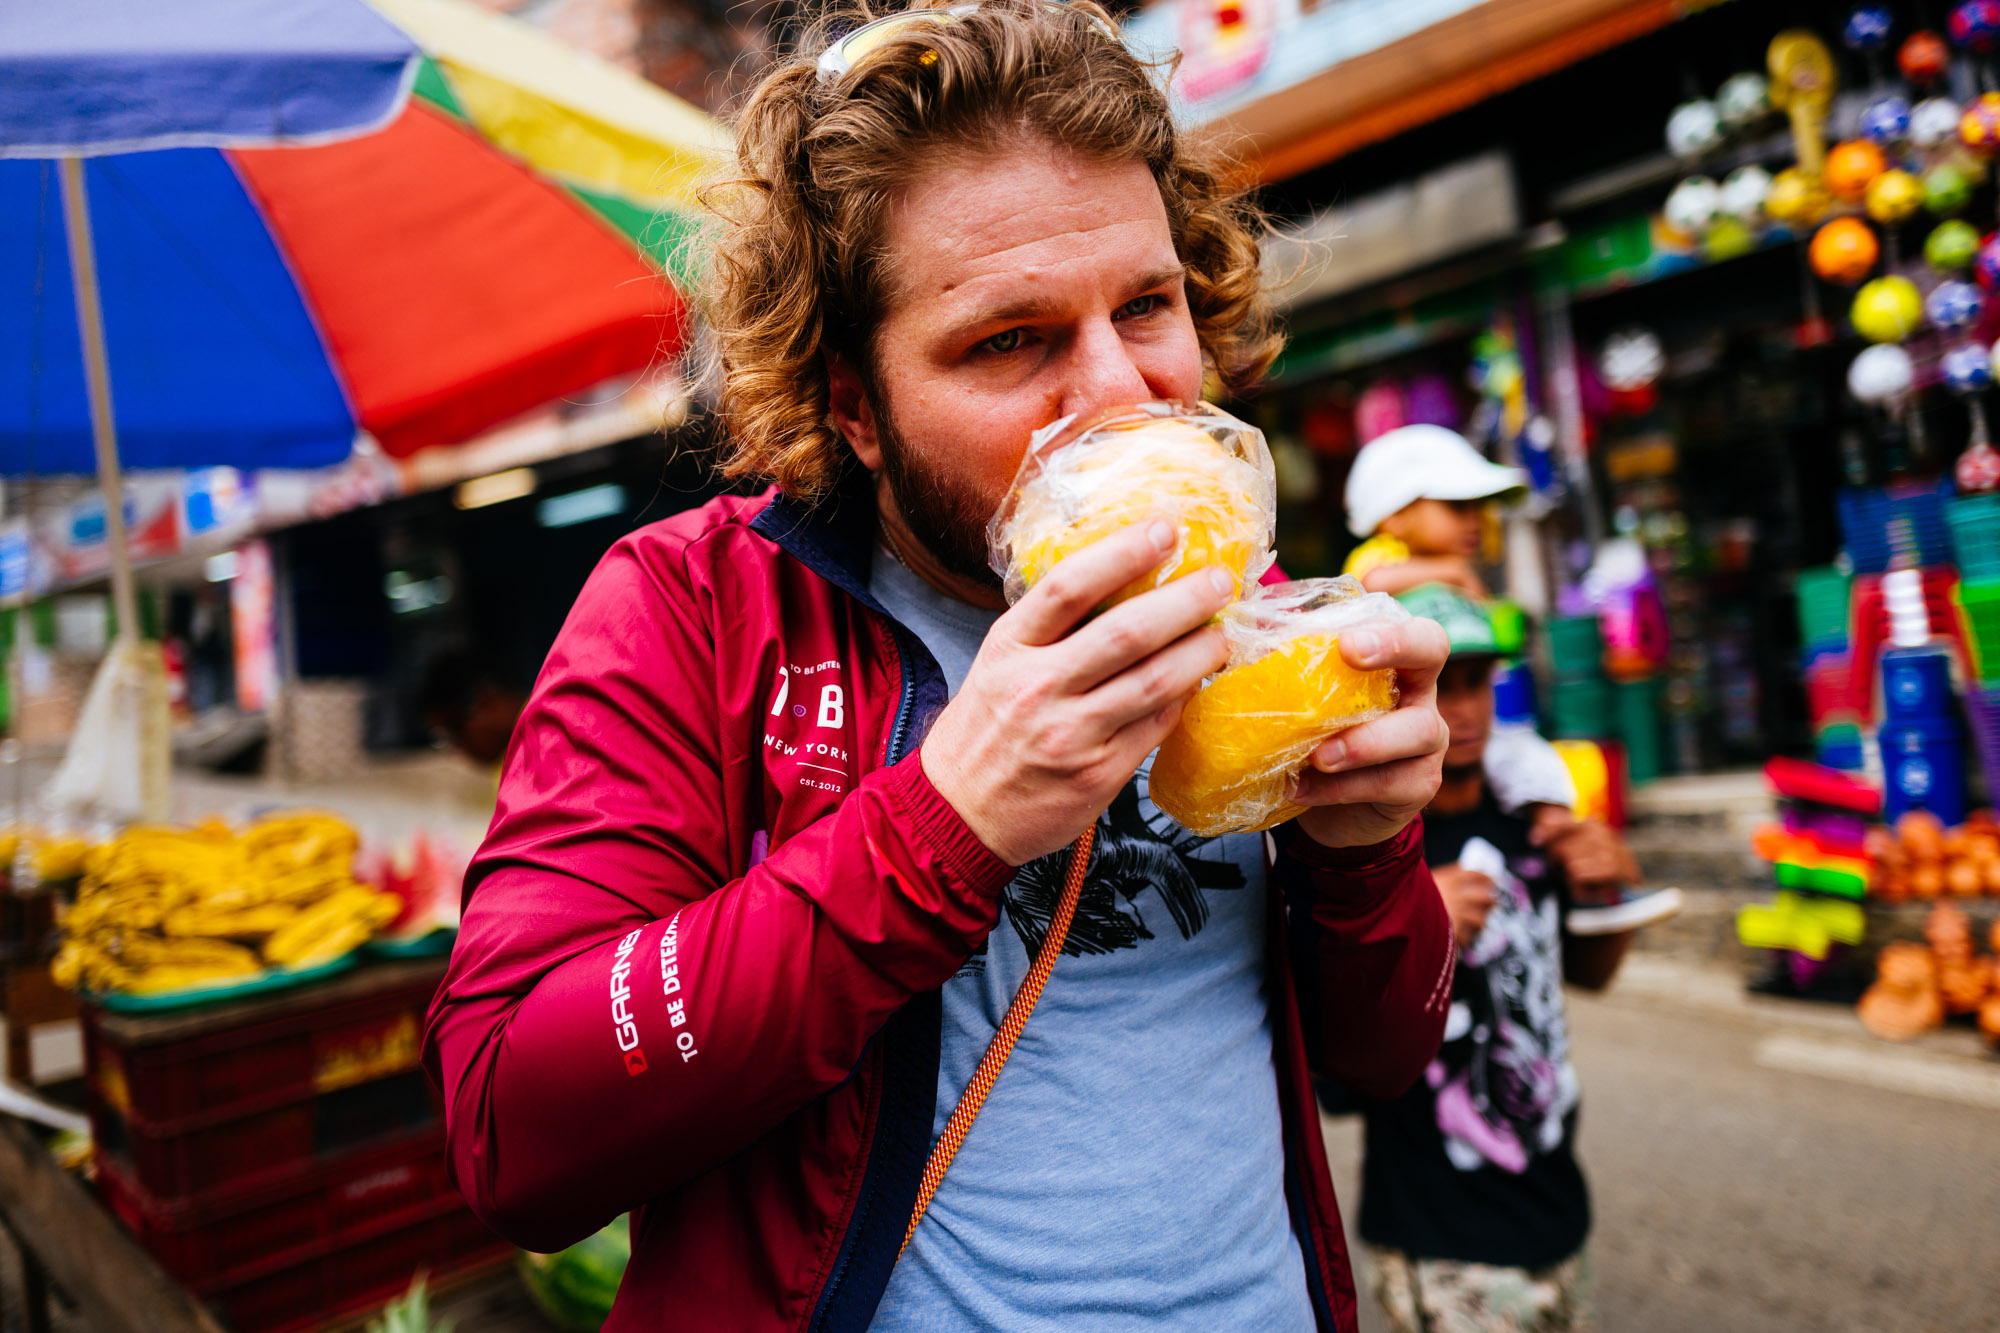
pixel 97 378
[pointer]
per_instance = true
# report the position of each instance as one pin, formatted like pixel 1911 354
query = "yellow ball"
pixel 1123 474
pixel 1796 199
pixel 1894 196
pixel 1887 310
pixel 1229 765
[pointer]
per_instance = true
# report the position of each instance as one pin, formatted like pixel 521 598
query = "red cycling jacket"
pixel 698 973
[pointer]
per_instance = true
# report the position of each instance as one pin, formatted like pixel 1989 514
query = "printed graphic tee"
pixel 1127 1170
pixel 1475 1161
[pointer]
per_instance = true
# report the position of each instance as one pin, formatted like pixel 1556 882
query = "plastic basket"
pixel 1975 535
pixel 1576 646
pixel 278 1143
pixel 1896 527
pixel 1583 710
pixel 234 1234
pixel 169 1086
pixel 1829 692
pixel 1823 594
pixel 316 1287
pixel 1982 711
pixel 1638 708
pixel 1979 609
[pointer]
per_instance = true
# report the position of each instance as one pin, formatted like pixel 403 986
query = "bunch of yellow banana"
pixel 160 908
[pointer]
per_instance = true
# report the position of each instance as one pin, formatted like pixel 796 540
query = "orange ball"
pixel 1844 251
pixel 1851 166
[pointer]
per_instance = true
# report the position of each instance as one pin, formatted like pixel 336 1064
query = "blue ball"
pixel 1868 28
pixel 1967 368
pixel 1886 120
pixel 1953 304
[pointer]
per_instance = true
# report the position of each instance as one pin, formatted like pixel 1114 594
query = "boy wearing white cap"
pixel 1415 494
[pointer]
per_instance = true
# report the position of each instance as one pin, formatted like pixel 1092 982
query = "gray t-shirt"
pixel 1127 1170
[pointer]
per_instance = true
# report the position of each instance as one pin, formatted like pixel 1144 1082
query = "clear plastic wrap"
pixel 1233 761
pixel 1199 468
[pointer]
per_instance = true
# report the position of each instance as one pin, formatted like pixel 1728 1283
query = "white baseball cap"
pixel 1421 463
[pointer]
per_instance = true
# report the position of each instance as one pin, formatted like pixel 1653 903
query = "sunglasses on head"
pixel 850 50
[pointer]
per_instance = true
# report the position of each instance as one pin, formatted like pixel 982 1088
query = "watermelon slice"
pixel 575 1287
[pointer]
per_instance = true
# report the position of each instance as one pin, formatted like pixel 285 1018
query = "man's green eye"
pixel 1004 342
pixel 1139 305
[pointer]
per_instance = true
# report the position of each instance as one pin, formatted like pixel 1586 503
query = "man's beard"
pixel 939 509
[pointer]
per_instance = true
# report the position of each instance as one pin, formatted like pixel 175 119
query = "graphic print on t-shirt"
pixel 1130 856
pixel 1503 1078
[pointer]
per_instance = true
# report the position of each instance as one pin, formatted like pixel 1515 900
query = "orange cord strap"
pixel 1004 1038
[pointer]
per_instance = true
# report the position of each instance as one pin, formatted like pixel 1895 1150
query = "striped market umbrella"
pixel 231 235
pixel 497 245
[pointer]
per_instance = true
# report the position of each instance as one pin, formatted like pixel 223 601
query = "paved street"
pixel 1765 1165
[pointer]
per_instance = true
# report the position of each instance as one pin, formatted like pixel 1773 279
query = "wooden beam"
pixel 1458 63
pixel 116 1285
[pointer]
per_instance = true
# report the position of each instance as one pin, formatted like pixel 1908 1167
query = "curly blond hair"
pixel 792 266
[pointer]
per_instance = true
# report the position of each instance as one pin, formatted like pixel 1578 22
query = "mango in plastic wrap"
pixel 1199 469
pixel 1231 763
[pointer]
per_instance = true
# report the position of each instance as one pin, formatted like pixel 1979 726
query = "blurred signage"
pixel 1237 51
pixel 1460 207
pixel 253 622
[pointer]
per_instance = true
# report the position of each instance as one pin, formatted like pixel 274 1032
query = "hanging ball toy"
pixel 1729 237
pixel 1692 208
pixel 1693 129
pixel 1979 126
pixel 1742 99
pixel 1868 28
pixel 1881 374
pixel 1850 166
pixel 1947 188
pixel 1954 304
pixel 1975 25
pixel 1796 199
pixel 1743 193
pixel 1893 197
pixel 1887 310
pixel 1986 264
pixel 1844 250
pixel 1923 57
pixel 1886 120
pixel 1934 122
pixel 1951 245
pixel 1967 369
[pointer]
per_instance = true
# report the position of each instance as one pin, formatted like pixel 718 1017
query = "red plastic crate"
pixel 232 1236
pixel 202 1080
pixel 282 1142
pixel 322 1287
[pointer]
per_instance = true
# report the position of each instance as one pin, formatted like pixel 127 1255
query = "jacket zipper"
pixel 898 733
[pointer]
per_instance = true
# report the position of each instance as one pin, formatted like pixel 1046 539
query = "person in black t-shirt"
pixel 1472 1200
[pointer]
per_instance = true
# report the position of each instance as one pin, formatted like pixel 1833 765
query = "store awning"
pixel 1304 83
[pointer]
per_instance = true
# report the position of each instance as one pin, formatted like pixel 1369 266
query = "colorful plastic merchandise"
pixel 1598 770
pixel 1870 631
pixel 1975 536
pixel 1982 711
pixel 1802 923
pixel 1821 846
pixel 1824 598
pixel 1896 527
pixel 1978 605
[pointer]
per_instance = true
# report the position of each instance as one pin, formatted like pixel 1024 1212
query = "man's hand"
pixel 1367 783
pixel 1051 723
pixel 1468 897
pixel 1593 857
